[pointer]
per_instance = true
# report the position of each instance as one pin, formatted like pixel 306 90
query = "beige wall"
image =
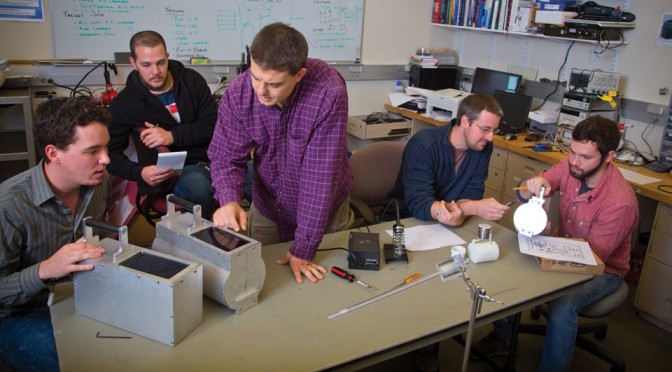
pixel 644 66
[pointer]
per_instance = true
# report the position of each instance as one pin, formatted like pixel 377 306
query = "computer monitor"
pixel 487 81
pixel 516 107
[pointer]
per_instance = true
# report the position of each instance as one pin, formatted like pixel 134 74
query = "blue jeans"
pixel 27 342
pixel 195 185
pixel 563 320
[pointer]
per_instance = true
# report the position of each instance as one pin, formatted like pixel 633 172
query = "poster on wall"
pixel 665 30
pixel 22 10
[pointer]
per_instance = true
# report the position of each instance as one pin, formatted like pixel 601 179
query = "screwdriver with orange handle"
pixel 347 276
pixel 408 279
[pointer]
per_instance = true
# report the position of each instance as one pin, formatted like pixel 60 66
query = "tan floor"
pixel 643 347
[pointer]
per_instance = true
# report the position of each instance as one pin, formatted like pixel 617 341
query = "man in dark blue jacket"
pixel 444 169
pixel 164 104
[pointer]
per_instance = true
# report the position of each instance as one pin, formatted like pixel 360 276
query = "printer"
pixel 446 101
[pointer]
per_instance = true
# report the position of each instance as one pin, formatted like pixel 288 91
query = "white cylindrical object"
pixel 458 254
pixel 480 251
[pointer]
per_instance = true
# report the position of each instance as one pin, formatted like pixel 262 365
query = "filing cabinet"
pixel 496 168
pixel 654 294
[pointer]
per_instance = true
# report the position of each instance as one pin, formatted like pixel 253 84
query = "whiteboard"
pixel 216 29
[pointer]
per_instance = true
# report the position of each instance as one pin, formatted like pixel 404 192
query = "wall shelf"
pixel 608 44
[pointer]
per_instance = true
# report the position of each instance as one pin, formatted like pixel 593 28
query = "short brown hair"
pixel 474 104
pixel 148 39
pixel 279 47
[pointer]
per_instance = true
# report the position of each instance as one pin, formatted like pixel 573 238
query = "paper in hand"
pixel 174 160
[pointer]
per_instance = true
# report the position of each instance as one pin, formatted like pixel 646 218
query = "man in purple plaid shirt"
pixel 290 112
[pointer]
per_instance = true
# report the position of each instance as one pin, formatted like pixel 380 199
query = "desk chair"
pixel 374 171
pixel 599 309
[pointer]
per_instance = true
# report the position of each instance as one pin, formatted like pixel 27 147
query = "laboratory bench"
pixel 513 161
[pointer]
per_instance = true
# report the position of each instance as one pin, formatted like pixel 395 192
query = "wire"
pixel 557 81
pixel 350 253
pixel 663 187
pixel 644 139
pixel 75 89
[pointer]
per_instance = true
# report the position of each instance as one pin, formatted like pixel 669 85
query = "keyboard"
pixel 658 167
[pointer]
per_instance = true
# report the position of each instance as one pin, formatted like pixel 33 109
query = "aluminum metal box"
pixel 148 293
pixel 233 270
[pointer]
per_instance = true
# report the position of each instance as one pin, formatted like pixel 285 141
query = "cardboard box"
pixel 547 264
pixel 358 127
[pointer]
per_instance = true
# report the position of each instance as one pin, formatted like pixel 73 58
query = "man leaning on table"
pixel 443 170
pixel 41 211
pixel 292 112
pixel 596 204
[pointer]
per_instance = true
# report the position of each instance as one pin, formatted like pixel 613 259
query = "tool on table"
pixel 445 269
pixel 408 279
pixel 349 277
pixel 540 147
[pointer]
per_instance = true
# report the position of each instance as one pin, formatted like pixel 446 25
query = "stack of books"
pixel 424 61
pixel 504 15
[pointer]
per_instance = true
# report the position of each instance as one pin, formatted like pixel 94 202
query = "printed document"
pixel 559 249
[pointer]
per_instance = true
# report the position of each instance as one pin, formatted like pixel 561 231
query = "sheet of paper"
pixel 557 249
pixel 637 178
pixel 397 99
pixel 420 92
pixel 174 160
pixel 426 237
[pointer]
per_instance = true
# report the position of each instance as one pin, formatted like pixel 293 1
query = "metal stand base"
pixel 388 249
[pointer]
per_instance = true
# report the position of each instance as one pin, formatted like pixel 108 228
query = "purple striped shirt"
pixel 301 172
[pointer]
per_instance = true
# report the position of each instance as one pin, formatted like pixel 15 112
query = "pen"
pixel 520 188
pixel 510 203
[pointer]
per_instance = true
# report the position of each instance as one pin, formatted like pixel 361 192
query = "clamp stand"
pixel 478 295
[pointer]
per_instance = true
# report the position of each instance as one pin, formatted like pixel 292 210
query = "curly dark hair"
pixel 279 47
pixel 598 129
pixel 57 119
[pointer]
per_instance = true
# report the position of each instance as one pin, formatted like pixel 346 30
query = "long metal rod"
pixel 476 303
pixel 383 295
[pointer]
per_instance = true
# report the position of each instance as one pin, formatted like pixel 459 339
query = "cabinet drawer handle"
pixel 530 170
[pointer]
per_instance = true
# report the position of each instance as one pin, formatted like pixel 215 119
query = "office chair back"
pixel 374 171
pixel 150 200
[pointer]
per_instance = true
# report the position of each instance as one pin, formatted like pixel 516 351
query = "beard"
pixel 582 175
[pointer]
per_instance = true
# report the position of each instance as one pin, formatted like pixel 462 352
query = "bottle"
pixel 398 87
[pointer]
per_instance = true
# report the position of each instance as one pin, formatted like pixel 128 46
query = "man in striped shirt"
pixel 41 211
pixel 291 111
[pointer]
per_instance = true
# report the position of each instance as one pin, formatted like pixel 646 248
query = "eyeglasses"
pixel 485 131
